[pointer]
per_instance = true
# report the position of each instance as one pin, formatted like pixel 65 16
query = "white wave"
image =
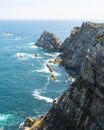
pixel 57 74
pixel 21 55
pixel 33 46
pixel 37 95
pixel 26 56
pixel 54 54
pixel 44 69
pixel 49 54
pixel 36 56
pixel 72 79
pixel 57 53
pixel 6 34
pixel 5 117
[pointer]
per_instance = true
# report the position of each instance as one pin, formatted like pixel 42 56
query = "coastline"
pixel 80 107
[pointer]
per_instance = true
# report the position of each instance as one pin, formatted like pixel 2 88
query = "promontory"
pixel 81 107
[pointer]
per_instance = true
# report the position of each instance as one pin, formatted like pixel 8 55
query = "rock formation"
pixel 81 107
pixel 48 41
pixel 80 43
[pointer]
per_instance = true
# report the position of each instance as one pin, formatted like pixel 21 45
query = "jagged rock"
pixel 84 51
pixel 81 107
pixel 48 41
pixel 76 46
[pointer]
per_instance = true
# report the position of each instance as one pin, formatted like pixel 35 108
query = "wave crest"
pixel 37 95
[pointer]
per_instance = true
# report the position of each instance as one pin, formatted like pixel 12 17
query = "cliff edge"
pixel 81 107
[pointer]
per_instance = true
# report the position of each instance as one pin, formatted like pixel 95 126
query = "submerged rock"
pixel 53 76
pixel 55 61
pixel 50 69
pixel 48 41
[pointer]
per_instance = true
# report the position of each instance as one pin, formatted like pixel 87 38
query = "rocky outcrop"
pixel 81 107
pixel 80 44
pixel 85 51
pixel 48 41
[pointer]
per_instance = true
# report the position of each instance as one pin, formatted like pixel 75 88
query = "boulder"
pixel 49 41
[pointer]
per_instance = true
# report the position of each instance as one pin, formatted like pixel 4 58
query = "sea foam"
pixel 44 69
pixel 5 117
pixel 37 95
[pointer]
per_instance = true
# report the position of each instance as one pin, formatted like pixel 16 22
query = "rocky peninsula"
pixel 81 107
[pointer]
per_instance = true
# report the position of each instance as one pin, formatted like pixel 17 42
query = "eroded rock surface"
pixel 49 41
pixel 81 107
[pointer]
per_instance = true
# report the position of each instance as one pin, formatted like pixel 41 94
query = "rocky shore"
pixel 81 107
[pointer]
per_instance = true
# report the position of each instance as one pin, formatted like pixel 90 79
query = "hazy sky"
pixel 51 9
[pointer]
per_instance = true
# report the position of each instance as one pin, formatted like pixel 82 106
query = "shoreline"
pixel 80 107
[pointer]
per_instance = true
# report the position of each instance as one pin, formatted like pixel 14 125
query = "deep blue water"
pixel 26 88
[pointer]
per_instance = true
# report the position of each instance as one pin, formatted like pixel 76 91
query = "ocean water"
pixel 26 87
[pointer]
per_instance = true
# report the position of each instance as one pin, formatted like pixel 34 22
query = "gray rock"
pixel 48 41
pixel 81 107
pixel 79 44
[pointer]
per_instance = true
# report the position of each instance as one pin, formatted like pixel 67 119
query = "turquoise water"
pixel 26 87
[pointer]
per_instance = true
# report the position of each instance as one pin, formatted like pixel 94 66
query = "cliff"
pixel 48 41
pixel 81 107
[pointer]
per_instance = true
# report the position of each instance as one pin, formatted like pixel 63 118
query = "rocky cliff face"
pixel 80 43
pixel 81 107
pixel 84 51
pixel 49 41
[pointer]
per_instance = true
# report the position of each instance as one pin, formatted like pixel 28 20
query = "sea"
pixel 26 86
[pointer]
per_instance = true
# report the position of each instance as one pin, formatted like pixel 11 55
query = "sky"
pixel 52 9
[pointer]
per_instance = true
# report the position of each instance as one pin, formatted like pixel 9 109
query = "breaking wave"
pixel 37 95
pixel 27 56
pixel 4 118
pixel 6 34
pixel 44 69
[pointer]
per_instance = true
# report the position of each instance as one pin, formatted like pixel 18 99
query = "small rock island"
pixel 49 41
pixel 81 107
